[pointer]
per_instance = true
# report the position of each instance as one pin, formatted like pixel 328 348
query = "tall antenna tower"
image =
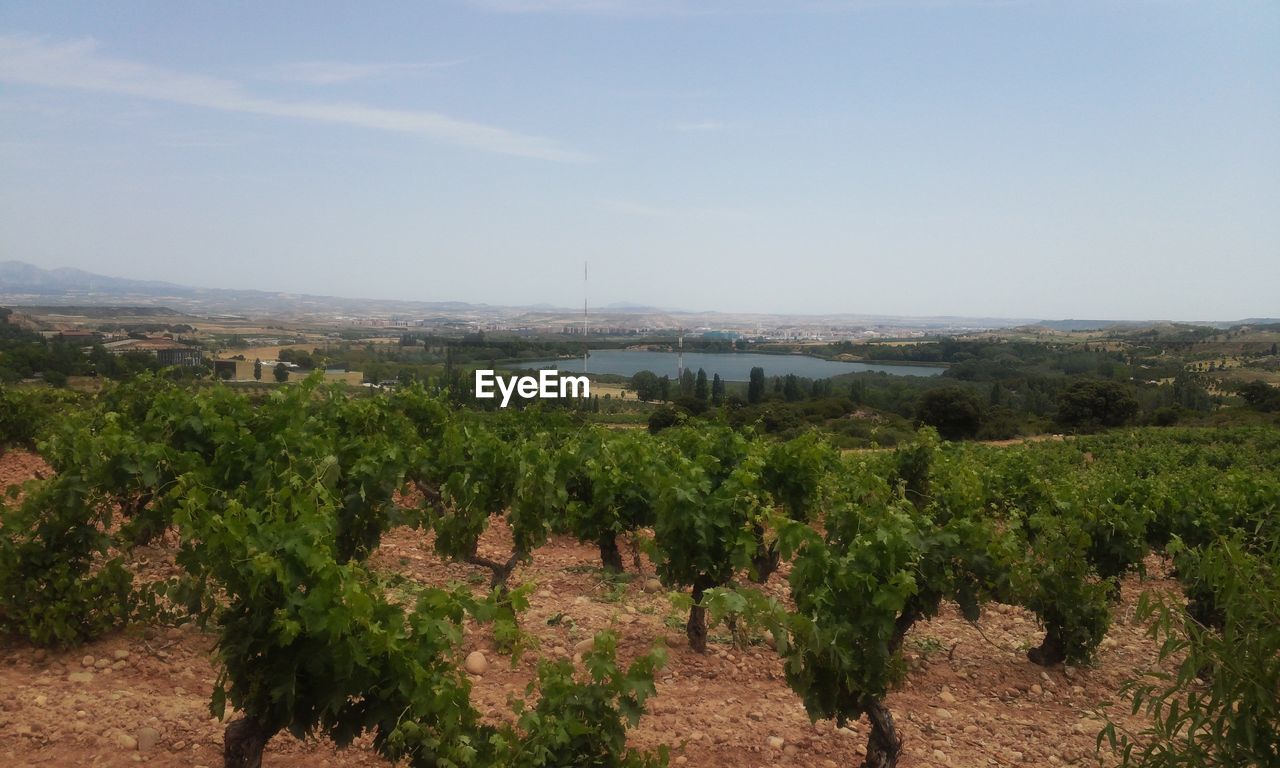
pixel 586 352
pixel 680 354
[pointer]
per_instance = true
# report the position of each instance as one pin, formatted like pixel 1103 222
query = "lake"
pixel 732 366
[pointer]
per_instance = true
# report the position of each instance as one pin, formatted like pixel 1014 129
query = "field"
pixel 973 699
pixel 194 571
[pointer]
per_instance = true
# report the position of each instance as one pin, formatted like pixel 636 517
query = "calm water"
pixel 730 365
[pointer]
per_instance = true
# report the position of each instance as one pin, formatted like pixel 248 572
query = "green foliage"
pixel 59 586
pixel 708 505
pixel 645 385
pixel 583 723
pixel 312 645
pixel 665 417
pixel 755 385
pixel 850 596
pixel 955 412
pixel 610 481
pixel 1057 583
pixel 1219 707
pixel 1261 396
pixel 26 414
pixel 1090 404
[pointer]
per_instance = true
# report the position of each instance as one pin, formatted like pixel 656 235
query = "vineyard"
pixel 342 559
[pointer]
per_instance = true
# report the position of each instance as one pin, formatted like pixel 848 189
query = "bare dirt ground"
pixel 971 698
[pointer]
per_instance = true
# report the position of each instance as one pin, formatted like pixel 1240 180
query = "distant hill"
pixel 21 277
pixel 25 284
pixel 1077 325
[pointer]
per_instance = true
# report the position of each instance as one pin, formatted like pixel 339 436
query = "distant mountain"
pixel 26 284
pixel 627 307
pixel 23 284
pixel 1078 325
pixel 20 277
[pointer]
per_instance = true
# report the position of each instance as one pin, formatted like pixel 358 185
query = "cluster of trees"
pixel 690 388
pixel 1261 396
pixel 25 354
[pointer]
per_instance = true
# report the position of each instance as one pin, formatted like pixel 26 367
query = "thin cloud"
pixel 339 72
pixel 79 65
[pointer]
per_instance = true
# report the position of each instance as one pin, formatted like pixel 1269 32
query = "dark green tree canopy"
pixel 1090 404
pixel 954 411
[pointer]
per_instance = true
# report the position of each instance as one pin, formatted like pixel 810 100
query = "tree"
pixel 664 388
pixel 755 386
pixel 954 411
pixel 281 373
pixel 1089 404
pixel 257 370
pixel 1261 396
pixel 791 387
pixel 663 417
pixel 700 385
pixel 645 385
pixel 687 383
pixel 717 391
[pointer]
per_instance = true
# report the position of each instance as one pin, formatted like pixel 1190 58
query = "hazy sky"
pixel 1032 159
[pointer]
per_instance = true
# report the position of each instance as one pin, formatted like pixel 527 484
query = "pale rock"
pixel 80 677
pixel 476 663
pixel 584 646
pixel 87 661
pixel 940 756
pixel 1036 690
pixel 120 654
pixel 126 742
pixel 651 585
pixel 147 738
pixel 776 742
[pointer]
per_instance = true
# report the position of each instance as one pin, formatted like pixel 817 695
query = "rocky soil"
pixel 971 698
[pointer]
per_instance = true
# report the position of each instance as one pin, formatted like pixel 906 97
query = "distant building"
pixel 242 370
pixel 166 351
pixel 80 336
pixel 187 357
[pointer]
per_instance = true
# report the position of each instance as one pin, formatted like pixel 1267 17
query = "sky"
pixel 1073 159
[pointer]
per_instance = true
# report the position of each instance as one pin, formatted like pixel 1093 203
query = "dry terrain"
pixel 971 699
